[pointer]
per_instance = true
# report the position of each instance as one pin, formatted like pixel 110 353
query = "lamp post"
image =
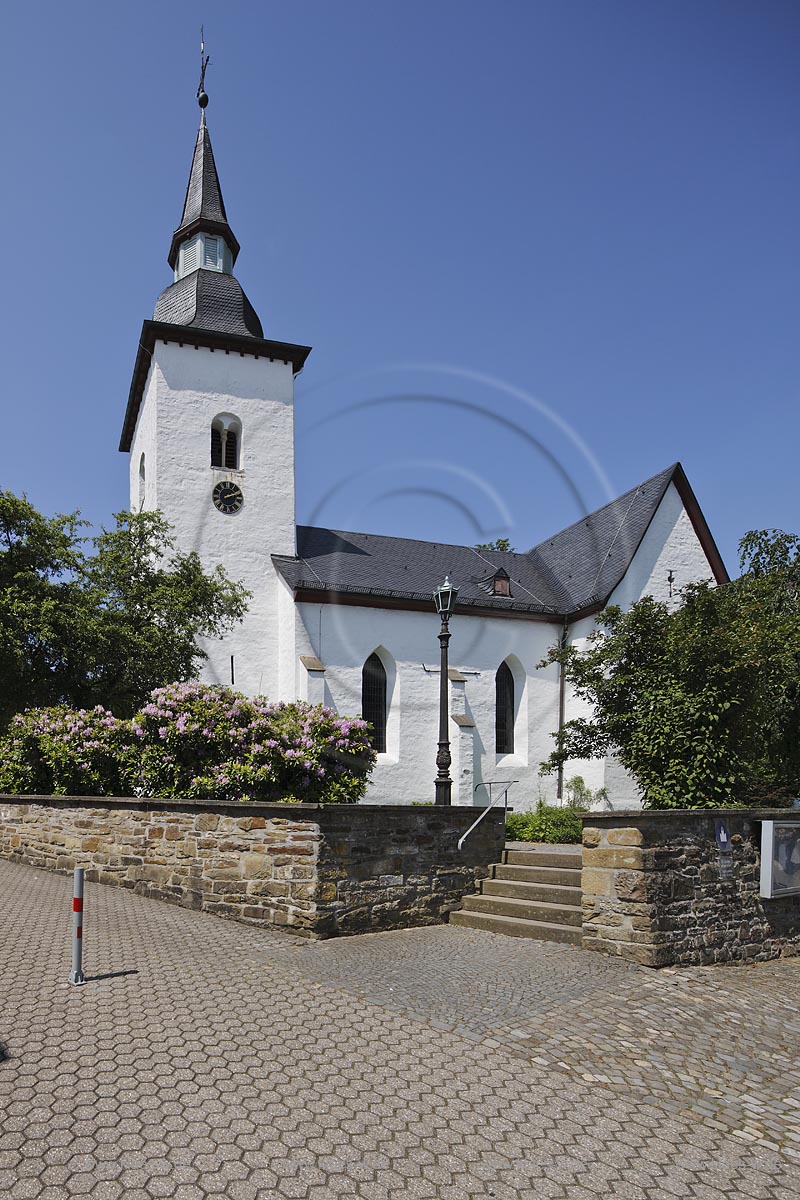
pixel 445 598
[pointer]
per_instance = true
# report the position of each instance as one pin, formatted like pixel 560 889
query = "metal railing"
pixel 509 783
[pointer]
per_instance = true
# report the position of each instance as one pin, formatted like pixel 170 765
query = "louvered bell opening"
pixel 212 253
pixel 373 701
pixel 231 447
pixel 216 448
pixel 504 711
pixel 189 257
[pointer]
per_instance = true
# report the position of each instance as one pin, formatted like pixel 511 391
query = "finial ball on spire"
pixel 202 99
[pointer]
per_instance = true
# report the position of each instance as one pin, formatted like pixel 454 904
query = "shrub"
pixel 197 740
pixel 545 824
pixel 581 796
pixel 65 752
pixel 191 740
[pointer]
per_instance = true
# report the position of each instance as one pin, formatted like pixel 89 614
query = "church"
pixel 347 619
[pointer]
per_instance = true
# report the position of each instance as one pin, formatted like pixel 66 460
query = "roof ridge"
pixel 419 541
pixel 668 472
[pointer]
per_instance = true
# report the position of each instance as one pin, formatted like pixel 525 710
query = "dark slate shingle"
pixel 208 300
pixel 575 569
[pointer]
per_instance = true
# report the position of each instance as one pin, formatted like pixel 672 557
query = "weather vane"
pixel 202 98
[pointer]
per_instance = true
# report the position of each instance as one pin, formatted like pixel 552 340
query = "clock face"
pixel 227 498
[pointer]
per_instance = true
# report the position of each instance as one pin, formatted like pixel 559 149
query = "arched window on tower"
pixel 231 449
pixel 504 710
pixel 373 700
pixel 216 446
pixel 141 483
pixel 226 433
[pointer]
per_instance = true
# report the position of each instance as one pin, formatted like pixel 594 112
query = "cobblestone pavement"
pixel 205 1058
pixel 719 1042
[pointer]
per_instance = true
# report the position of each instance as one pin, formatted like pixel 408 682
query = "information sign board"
pixel 780 858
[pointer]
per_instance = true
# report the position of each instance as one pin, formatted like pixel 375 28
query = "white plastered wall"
pixel 343 637
pixel 186 389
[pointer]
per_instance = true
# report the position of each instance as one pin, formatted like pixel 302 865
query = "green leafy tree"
pixel 700 704
pixel 40 602
pixel 502 544
pixel 147 608
pixel 102 620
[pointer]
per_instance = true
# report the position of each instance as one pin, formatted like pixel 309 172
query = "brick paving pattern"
pixel 205 1058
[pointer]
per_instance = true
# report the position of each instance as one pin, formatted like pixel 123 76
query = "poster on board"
pixel 780 858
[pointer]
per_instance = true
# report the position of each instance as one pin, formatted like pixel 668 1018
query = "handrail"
pixel 504 796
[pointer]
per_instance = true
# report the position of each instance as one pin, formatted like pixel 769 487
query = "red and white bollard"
pixel 77 975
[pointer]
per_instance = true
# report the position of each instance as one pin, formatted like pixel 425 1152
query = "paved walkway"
pixel 205 1058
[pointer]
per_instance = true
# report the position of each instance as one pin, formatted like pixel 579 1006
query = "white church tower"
pixel 209 427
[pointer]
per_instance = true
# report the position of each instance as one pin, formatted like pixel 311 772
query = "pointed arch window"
pixel 504 710
pixel 373 700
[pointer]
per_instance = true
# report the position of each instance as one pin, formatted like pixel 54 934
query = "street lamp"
pixel 444 598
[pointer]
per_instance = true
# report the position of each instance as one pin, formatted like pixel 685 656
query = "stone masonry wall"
pixel 317 869
pixel 391 867
pixel 654 892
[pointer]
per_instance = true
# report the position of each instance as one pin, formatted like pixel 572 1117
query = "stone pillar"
pixel 617 917
pixel 463 740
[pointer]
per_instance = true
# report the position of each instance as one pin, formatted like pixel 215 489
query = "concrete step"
pixel 544 856
pixel 552 876
pixel 548 893
pixel 516 927
pixel 526 910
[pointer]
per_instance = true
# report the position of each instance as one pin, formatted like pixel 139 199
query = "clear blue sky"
pixel 459 205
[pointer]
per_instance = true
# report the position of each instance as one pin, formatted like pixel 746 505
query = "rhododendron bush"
pixel 192 740
pixel 65 752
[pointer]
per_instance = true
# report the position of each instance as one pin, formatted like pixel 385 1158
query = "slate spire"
pixel 205 294
pixel 203 207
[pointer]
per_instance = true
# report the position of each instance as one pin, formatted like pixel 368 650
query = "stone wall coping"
pixel 275 808
pixel 634 815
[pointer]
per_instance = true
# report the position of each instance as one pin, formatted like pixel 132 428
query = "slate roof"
pixel 209 300
pixel 203 207
pixel 573 571
pixel 591 556
pixel 402 568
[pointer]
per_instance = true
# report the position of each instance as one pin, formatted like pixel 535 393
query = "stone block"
pixel 268 888
pixel 597 881
pixel 223 872
pixel 151 872
pixel 630 885
pixel 617 858
pixel 206 822
pixel 625 837
pixel 592 837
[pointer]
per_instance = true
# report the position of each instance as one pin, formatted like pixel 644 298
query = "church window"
pixel 141 483
pixel 373 700
pixel 231 447
pixel 216 446
pixel 504 710
pixel 226 441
